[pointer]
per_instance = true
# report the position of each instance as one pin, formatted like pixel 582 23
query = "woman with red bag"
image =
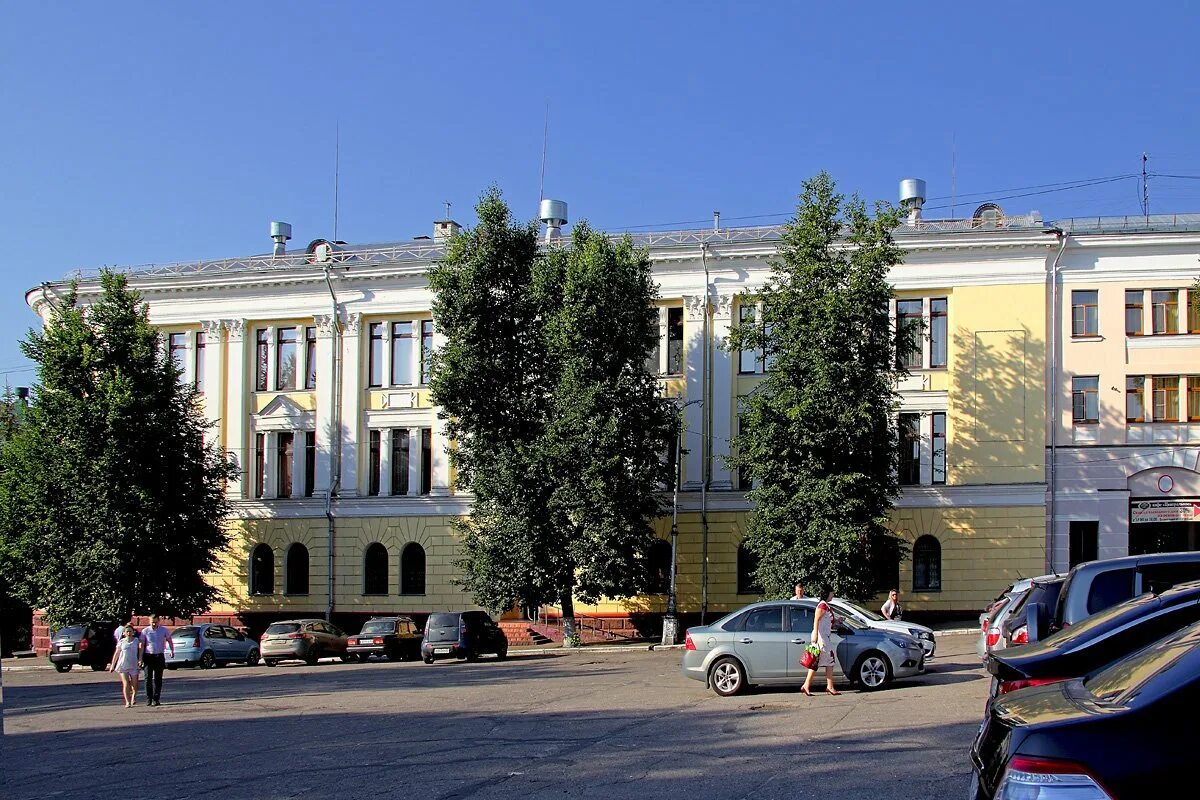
pixel 821 636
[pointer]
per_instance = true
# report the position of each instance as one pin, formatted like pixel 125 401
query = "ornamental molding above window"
pixel 283 414
pixel 402 399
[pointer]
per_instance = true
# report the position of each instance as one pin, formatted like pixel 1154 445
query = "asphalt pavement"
pixel 586 724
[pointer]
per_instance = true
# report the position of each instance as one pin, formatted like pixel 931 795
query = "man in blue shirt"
pixel 155 639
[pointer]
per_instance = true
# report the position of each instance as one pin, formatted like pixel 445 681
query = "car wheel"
pixel 171 667
pixel 426 660
pixel 270 662
pixel 472 655
pixel 311 657
pixel 502 653
pixel 207 660
pixel 873 671
pixel 98 667
pixel 727 677
pixel 395 655
pixel 61 667
pixel 252 658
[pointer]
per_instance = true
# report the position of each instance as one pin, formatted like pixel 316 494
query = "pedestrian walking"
pixel 125 661
pixel 822 635
pixel 799 591
pixel 155 639
pixel 892 609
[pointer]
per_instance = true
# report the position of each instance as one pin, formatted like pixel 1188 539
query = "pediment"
pixel 283 407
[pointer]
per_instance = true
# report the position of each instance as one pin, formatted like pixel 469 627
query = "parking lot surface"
pixel 550 725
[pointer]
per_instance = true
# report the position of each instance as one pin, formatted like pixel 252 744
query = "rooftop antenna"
pixel 953 175
pixel 545 143
pixel 447 204
pixel 1145 189
pixel 337 159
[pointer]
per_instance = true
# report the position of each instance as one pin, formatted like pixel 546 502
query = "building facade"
pixel 313 371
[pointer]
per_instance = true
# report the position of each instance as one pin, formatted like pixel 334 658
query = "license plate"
pixel 438 651
pixel 65 647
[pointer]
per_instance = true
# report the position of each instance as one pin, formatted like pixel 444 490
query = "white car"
pixel 869 619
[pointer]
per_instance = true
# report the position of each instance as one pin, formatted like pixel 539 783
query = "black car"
pixel 1099 640
pixel 88 645
pixel 1118 733
pixel 396 638
pixel 462 634
pixel 1029 620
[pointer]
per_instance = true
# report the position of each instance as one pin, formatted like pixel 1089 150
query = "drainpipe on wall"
pixel 335 424
pixel 705 450
pixel 1052 390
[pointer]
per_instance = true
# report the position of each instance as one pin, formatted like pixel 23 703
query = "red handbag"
pixel 808 659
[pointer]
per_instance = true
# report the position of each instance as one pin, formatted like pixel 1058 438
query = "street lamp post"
pixel 670 631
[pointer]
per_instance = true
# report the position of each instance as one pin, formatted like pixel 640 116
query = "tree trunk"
pixel 567 603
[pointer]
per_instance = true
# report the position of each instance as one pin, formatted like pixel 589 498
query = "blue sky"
pixel 159 132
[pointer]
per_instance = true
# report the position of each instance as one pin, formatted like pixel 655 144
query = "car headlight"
pixel 903 644
pixel 926 635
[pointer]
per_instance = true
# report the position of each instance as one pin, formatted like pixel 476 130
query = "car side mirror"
pixel 845 630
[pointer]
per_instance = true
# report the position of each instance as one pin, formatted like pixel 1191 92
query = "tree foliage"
pixel 819 437
pixel 111 502
pixel 559 430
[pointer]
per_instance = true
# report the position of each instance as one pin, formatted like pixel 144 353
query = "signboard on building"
pixel 1164 511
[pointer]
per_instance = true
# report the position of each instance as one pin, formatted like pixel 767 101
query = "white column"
pixel 271 351
pixel 662 340
pixel 440 446
pixel 326 436
pixel 298 485
pixel 214 381
pixel 414 462
pixel 385 462
pixel 722 392
pixel 387 356
pixel 352 374
pixel 926 445
pixel 926 339
pixel 693 369
pixel 270 465
pixel 237 394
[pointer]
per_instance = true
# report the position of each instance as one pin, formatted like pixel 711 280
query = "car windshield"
pixel 70 631
pixel 379 626
pixel 1082 629
pixel 443 620
pixel 857 609
pixel 183 633
pixel 282 627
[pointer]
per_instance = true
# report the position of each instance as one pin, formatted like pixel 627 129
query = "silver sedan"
pixel 762 644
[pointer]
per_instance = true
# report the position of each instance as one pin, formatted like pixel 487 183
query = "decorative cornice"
pixel 351 323
pixel 212 328
pixel 724 307
pixel 695 306
pixel 324 325
pixel 236 329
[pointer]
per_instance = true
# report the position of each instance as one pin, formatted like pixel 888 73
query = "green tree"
pixel 559 430
pixel 111 502
pixel 819 437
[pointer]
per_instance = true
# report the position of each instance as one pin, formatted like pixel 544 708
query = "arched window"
pixel 927 564
pixel 658 562
pixel 375 569
pixel 262 570
pixel 412 569
pixel 747 565
pixel 296 570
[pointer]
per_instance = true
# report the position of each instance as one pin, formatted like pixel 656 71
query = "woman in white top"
pixel 125 663
pixel 822 634
pixel 891 609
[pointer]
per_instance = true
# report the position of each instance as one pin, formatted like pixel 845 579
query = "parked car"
pixel 1120 732
pixel 462 634
pixel 762 644
pixel 1097 585
pixel 1027 621
pixel 306 640
pixel 210 645
pixel 1097 641
pixel 397 638
pixel 88 644
pixel 865 618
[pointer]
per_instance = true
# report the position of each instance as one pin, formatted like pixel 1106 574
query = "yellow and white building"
pixel 311 367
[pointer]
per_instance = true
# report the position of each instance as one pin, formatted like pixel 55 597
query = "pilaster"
pixel 385 462
pixel 352 394
pixel 722 392
pixel 695 314
pixel 414 462
pixel 214 379
pixel 439 447
pixel 326 398
pixel 237 395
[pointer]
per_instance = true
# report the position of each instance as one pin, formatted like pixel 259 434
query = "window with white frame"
pixel 198 362
pixel 1085 399
pixel 284 464
pixel 399 353
pixel 750 362
pixel 399 461
pixel 922 441
pixel 285 358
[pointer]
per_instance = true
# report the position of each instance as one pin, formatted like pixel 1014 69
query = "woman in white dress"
pixel 822 634
pixel 125 663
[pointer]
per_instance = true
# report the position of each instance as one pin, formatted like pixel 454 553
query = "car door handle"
pixel 745 641
pixel 799 641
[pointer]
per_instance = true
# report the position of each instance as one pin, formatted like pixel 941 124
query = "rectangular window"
pixel 1085 399
pixel 177 344
pixel 939 447
pixel 1193 311
pixel 672 463
pixel 1166 398
pixel 426 460
pixel 1134 324
pixel 402 354
pixel 260 463
pixel 426 350
pixel 1164 306
pixel 201 341
pixel 1135 398
pixel 285 359
pixel 910 449
pixel 283 470
pixel 310 358
pixel 1085 537
pixel 399 461
pixel 1084 318
pixel 310 462
pixel 262 352
pixel 1193 398
pixel 373 467
pixel 939 332
pixel 375 354
pixel 674 341
pixel 908 333
pixel 750 362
